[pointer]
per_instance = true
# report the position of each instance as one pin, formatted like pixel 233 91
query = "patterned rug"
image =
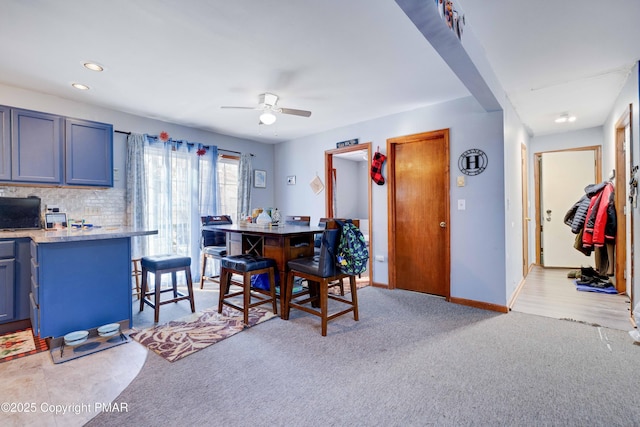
pixel 180 338
pixel 19 344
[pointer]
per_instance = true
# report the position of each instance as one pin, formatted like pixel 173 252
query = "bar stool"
pixel 213 253
pixel 136 273
pixel 159 265
pixel 247 265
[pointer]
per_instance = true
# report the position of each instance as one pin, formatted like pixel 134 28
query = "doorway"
pixel 419 238
pixel 554 240
pixel 624 233
pixel 348 189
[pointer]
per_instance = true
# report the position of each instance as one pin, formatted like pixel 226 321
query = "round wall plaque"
pixel 473 162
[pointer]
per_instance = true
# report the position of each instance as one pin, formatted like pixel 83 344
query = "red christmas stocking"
pixel 376 167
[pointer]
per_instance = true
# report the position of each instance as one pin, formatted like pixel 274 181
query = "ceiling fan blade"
pixel 295 112
pixel 240 108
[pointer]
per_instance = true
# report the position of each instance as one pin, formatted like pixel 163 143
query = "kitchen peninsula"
pixel 70 279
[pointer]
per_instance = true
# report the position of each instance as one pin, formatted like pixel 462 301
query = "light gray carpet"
pixel 411 360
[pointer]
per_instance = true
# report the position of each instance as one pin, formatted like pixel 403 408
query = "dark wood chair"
pixel 330 223
pixel 320 272
pixel 213 244
pixel 247 265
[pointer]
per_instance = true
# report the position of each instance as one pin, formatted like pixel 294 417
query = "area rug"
pixel 180 338
pixel 20 344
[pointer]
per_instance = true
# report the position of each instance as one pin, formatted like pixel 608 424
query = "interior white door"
pixel 564 175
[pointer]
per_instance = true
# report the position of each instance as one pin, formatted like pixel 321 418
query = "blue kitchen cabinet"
pixel 7 281
pixel 89 153
pixel 7 290
pixel 36 147
pixel 5 143
pixel 80 285
pixel 15 273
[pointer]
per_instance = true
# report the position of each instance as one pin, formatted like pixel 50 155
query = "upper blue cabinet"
pixel 36 147
pixel 88 153
pixel 5 143
pixel 48 149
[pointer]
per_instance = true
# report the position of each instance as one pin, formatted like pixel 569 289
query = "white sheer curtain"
pixel 136 199
pixel 169 186
pixel 209 194
pixel 244 186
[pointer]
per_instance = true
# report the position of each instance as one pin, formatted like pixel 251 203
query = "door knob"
pixel 443 224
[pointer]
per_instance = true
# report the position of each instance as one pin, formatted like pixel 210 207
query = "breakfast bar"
pixel 80 278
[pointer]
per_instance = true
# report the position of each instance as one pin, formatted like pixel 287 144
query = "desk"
pixel 280 243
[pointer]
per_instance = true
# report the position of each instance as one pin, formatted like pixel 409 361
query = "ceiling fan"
pixel 267 103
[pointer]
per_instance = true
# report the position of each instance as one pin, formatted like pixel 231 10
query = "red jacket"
pixel 598 215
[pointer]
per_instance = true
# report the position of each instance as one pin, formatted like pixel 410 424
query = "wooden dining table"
pixel 280 242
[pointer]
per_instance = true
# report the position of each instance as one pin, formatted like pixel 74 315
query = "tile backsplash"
pixel 105 207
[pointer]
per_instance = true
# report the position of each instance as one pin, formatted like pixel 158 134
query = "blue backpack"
pixel 352 255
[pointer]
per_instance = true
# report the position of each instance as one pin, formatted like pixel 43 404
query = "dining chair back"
pixel 213 244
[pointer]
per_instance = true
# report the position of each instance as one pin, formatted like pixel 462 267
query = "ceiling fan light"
pixel 267 118
pixel 572 119
pixel 561 119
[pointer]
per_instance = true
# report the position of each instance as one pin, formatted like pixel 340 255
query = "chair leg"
pixel 174 282
pixel 342 287
pixel 145 288
pixel 288 294
pixel 203 261
pixel 224 287
pixel 324 301
pixel 187 272
pixel 246 293
pixel 354 296
pixel 136 274
pixel 272 288
pixel 156 315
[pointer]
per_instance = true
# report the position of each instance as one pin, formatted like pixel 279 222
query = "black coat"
pixel 577 215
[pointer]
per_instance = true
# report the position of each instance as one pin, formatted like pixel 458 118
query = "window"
pixel 228 185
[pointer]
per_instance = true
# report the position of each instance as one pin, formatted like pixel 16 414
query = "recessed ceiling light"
pixel 564 118
pixel 80 86
pixel 93 66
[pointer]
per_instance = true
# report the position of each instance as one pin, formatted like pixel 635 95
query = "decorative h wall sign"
pixel 473 162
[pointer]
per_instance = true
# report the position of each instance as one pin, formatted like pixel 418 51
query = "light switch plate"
pixel 461 204
pixel 460 181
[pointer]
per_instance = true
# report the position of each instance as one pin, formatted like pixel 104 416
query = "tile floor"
pixel 79 387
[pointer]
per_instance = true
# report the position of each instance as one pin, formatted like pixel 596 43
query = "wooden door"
pixel 419 212
pixel 564 175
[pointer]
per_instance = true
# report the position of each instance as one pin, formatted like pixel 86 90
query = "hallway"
pixel 548 292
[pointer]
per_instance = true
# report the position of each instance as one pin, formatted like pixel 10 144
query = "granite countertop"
pixel 75 234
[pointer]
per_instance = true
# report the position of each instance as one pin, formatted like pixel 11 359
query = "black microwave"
pixel 19 212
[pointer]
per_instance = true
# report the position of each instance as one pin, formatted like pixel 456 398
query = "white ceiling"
pixel 554 57
pixel 346 61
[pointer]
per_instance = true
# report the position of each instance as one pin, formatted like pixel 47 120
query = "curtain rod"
pixel 188 143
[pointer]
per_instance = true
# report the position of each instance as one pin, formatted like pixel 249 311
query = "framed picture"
pixel 259 178
pixel 291 180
